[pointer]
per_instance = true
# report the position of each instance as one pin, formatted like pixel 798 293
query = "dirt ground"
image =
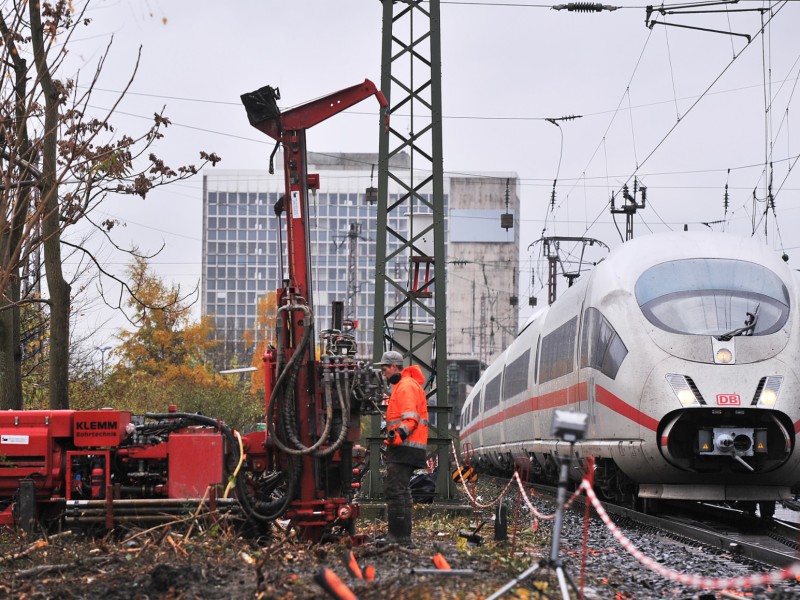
pixel 203 558
pixel 208 560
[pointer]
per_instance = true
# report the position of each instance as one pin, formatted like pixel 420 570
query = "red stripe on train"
pixel 608 399
pixel 564 397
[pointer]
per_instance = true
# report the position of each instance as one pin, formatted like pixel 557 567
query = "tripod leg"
pixel 561 573
pixel 511 584
pixel 562 583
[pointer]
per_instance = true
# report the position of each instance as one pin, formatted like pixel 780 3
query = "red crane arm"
pixel 316 111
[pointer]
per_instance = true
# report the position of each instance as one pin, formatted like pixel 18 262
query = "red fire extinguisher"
pixel 98 481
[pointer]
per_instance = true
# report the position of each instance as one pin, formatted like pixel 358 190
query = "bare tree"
pixel 57 164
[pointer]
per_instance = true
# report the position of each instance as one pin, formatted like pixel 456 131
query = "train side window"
pixel 491 394
pixel 515 380
pixel 476 403
pixel 601 346
pixel 558 351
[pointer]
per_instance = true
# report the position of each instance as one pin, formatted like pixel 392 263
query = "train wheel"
pixel 650 506
pixel 766 509
pixel 746 506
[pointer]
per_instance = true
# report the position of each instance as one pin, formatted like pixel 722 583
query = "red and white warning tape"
pixel 699 581
pixel 472 499
pixel 524 495
pixel 689 579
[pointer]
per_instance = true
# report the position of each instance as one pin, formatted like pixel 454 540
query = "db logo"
pixel 728 400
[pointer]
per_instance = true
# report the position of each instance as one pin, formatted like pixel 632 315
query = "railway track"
pixel 770 542
pixel 716 529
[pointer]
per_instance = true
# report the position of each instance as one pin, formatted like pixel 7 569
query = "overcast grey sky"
pixel 677 107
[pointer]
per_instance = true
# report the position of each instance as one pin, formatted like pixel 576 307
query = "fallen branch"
pixel 197 512
pixel 168 524
pixel 41 569
pixel 34 546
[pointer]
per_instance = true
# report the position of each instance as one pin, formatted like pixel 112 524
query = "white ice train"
pixel 684 351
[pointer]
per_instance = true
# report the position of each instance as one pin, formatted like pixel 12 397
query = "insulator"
pixel 584 7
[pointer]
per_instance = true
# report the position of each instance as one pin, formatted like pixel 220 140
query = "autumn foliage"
pixel 260 337
pixel 166 360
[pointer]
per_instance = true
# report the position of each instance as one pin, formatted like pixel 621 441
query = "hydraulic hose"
pixel 268 511
pixel 235 473
pixel 288 368
pixel 345 414
pixel 287 414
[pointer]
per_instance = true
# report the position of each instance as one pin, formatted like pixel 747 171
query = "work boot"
pixel 409 521
pixel 399 526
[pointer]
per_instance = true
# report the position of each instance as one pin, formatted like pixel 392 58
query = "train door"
pixel 585 379
pixel 476 411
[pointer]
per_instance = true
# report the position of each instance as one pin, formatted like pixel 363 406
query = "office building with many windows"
pixel 243 259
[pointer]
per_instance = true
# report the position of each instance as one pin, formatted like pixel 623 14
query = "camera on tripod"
pixel 569 426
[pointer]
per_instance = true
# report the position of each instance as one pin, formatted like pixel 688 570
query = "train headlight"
pixel 724 356
pixel 680 386
pixel 770 391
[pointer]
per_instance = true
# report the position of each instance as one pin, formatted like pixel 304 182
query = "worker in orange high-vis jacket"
pixel 406 438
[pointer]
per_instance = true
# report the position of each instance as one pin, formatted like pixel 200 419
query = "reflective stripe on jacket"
pixel 408 412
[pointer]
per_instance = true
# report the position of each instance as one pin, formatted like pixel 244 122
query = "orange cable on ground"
pixel 441 562
pixel 351 564
pixel 336 588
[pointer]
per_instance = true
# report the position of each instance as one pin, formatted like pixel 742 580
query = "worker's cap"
pixel 392 357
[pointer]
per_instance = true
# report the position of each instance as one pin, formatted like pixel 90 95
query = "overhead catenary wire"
pixel 583 178
pixel 699 99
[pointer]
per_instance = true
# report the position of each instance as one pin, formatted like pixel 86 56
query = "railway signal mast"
pixel 553 252
pixel 415 323
pixel 629 206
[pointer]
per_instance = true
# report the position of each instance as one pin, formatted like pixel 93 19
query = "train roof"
pixel 629 260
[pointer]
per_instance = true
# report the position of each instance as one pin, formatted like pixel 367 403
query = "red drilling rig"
pixel 109 466
pixel 300 408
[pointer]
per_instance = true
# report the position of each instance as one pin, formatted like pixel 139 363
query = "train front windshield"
pixel 713 297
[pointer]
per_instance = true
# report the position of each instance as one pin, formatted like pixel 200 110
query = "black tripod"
pixel 554 562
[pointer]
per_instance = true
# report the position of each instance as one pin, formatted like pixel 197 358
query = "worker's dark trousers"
pixel 399 504
pixel 398 476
